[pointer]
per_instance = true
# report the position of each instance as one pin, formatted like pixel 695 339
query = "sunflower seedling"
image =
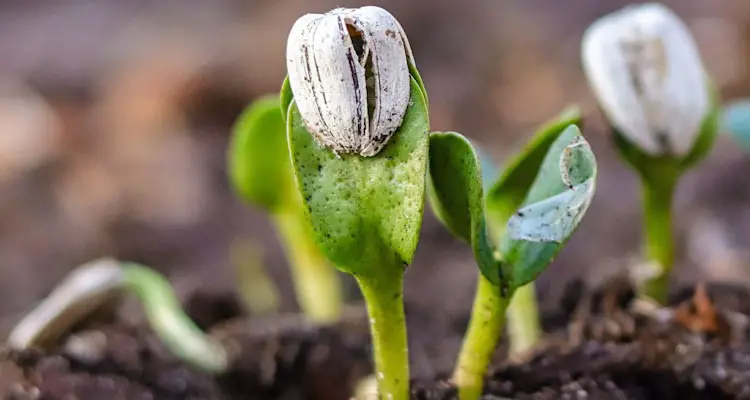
pixel 357 125
pixel 260 171
pixel 647 74
pixel 93 285
pixel 526 219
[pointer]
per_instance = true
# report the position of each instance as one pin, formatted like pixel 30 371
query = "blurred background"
pixel 115 117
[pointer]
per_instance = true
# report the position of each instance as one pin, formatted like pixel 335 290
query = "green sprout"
pixel 357 125
pixel 261 173
pixel 93 285
pixel 515 232
pixel 645 69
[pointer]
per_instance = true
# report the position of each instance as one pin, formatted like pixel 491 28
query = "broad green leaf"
pixel 555 205
pixel 259 165
pixel 510 191
pixel 366 212
pixel 456 196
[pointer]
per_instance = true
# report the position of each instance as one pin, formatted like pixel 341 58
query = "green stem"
pixel 255 286
pixel 657 203
pixel 164 312
pixel 316 283
pixel 383 295
pixel 485 328
pixel 524 328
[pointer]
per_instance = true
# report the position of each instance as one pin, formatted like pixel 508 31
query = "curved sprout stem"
pixel 164 312
pixel 86 289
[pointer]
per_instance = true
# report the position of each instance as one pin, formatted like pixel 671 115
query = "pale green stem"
pixel 255 286
pixel 657 214
pixel 524 327
pixel 168 320
pixel 485 328
pixel 385 306
pixel 316 282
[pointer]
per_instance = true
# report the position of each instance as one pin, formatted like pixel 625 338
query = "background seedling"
pixel 553 181
pixel 258 291
pixel 260 172
pixel 645 69
pixel 91 285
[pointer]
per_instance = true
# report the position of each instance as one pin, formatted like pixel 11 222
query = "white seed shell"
pixel 645 69
pixel 329 82
pixel 85 289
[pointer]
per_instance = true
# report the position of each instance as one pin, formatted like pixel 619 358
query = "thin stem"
pixel 524 327
pixel 659 246
pixel 485 328
pixel 164 312
pixel 255 286
pixel 385 307
pixel 316 282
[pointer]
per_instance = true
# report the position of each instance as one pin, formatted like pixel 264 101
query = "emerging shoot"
pixel 260 171
pixel 89 287
pixel 646 72
pixel 359 154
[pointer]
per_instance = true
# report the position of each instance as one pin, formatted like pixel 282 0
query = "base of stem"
pixel 385 308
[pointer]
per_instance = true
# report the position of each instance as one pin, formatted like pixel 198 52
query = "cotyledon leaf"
pixel 553 209
pixel 366 212
pixel 456 196
pixel 507 194
pixel 259 165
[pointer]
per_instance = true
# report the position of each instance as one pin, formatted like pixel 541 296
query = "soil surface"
pixel 604 344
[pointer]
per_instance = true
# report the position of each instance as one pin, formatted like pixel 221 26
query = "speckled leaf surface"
pixel 553 209
pixel 366 212
pixel 511 189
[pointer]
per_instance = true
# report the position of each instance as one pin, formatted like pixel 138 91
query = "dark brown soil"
pixel 610 347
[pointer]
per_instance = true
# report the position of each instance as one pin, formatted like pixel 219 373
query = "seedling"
pixel 261 173
pixel 357 125
pixel 552 182
pixel 646 72
pixel 93 285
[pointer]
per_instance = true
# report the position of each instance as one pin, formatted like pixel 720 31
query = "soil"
pixel 602 344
